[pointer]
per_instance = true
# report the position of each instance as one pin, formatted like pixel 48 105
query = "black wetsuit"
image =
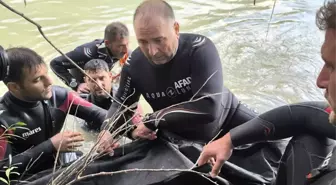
pixel 104 103
pixel 44 119
pixel 180 80
pixel 81 55
pixel 313 138
pixel 193 73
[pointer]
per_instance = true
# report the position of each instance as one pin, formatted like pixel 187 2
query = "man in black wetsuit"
pixel 32 114
pixel 170 68
pixel 113 47
pixel 180 76
pixel 310 149
pixel 98 70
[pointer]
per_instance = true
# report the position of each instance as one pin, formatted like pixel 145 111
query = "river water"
pixel 264 72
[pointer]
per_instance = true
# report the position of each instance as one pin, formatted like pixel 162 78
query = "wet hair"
pixel 96 65
pixel 154 8
pixel 21 58
pixel 326 15
pixel 115 30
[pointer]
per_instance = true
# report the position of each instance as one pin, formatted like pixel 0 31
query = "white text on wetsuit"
pixel 31 132
pixel 126 88
pixel 180 87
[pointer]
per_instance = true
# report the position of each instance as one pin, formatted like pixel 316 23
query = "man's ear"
pixel 13 87
pixel 107 43
pixel 110 75
pixel 177 29
pixel 85 78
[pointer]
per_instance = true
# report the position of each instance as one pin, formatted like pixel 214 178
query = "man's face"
pixel 36 84
pixel 103 78
pixel 119 47
pixel 157 38
pixel 327 77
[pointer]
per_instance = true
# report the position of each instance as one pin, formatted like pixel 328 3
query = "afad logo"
pixel 180 87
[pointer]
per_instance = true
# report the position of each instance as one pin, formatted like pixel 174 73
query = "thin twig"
pixel 85 160
pixel 59 147
pixel 269 22
pixel 206 81
pixel 159 116
pixel 30 165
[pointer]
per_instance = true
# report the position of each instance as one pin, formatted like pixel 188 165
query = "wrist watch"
pixel 73 84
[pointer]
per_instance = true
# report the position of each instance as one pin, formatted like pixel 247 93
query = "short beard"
pixel 332 118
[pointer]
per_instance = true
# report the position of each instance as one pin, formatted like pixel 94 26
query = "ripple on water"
pixel 12 20
pixel 262 72
pixel 43 18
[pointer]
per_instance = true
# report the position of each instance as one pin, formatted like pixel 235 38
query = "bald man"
pixel 170 69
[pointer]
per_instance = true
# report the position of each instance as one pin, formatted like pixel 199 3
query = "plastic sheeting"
pixel 158 154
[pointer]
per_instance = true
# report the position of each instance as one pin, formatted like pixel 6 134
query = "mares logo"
pixel 180 87
pixel 31 132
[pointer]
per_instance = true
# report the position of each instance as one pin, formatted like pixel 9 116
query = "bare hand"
pixel 137 119
pixel 83 88
pixel 106 143
pixel 67 141
pixel 216 153
pixel 143 132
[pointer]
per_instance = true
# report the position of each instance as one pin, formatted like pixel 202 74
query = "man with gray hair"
pixel 112 48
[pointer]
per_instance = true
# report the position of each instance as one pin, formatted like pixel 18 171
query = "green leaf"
pixel 3 180
pixel 20 124
pixel 7 172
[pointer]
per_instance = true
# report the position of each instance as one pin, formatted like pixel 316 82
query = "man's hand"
pixel 219 150
pixel 106 143
pixel 143 132
pixel 137 119
pixel 83 88
pixel 67 141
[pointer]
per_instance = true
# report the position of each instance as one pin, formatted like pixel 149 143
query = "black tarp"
pixel 158 154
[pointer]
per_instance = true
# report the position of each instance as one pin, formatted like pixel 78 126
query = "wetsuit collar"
pixel 22 103
pixel 103 50
pixel 102 103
